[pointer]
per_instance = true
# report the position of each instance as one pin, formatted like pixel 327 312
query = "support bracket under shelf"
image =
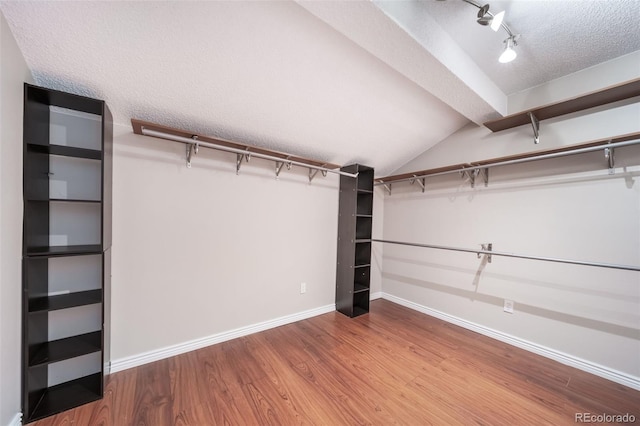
pixel 239 157
pixel 279 165
pixel 314 172
pixel 473 174
pixel 535 123
pixel 485 248
pixel 609 156
pixel 192 149
pixel 421 182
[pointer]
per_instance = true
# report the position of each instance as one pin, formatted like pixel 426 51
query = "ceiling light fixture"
pixel 496 22
pixel 486 18
pixel 508 54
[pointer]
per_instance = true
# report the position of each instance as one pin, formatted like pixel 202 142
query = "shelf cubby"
pixel 61 349
pixel 363 227
pixel 362 253
pixel 364 204
pixel 67 395
pixel 64 301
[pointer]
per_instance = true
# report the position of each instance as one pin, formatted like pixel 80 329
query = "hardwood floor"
pixel 392 366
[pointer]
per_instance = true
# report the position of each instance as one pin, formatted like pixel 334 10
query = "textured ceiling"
pixel 557 37
pixel 341 82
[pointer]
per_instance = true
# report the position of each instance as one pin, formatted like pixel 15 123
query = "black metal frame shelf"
pixel 65 151
pixel 74 250
pixel 64 301
pixel 65 230
pixel 355 224
pixel 61 349
pixel 58 398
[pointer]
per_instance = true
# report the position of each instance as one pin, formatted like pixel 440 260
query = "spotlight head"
pixel 508 54
pixel 497 21
pixel 483 16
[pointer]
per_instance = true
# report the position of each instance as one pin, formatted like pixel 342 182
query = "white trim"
pixel 376 295
pixel 169 351
pixel 579 363
pixel 16 421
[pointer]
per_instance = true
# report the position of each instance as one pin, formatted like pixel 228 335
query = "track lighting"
pixel 486 18
pixel 508 54
pixel 496 22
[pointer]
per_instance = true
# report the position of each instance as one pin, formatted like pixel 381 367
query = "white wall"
pixel 377 249
pixel 615 71
pixel 13 73
pixel 203 251
pixel 566 208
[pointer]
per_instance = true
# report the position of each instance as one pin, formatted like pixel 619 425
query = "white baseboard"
pixel 169 351
pixel 376 295
pixel 581 364
pixel 16 421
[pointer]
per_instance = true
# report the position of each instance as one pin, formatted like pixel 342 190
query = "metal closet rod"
pixel 520 256
pixel 519 160
pixel 196 142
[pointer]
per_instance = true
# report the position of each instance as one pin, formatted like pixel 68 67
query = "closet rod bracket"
pixel 485 176
pixel 471 175
pixel 192 149
pixel 279 165
pixel 609 156
pixel 488 247
pixel 535 123
pixel 314 172
pixel 421 181
pixel 387 186
pixel 239 157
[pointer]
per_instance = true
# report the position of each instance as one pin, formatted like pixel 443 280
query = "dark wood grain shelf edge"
pixel 66 151
pixel 65 301
pixel 61 349
pixel 617 92
pixel 358 288
pixel 137 126
pixel 64 200
pixel 75 250
pixel 427 172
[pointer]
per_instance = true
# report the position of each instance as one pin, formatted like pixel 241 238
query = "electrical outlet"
pixel 508 306
pixel 303 288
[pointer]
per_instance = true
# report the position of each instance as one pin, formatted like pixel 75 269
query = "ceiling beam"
pixel 417 47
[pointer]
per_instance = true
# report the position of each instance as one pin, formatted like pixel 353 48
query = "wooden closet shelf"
pixel 618 92
pixel 139 124
pixel 423 173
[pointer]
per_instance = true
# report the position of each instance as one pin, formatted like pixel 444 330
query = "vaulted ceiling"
pixel 341 81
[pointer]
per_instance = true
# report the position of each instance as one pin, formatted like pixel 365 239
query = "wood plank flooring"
pixel 392 366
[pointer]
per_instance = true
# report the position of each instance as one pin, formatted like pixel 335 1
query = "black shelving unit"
pixel 66 250
pixel 354 241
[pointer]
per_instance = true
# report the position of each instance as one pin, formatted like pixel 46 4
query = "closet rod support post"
pixel 488 247
pixel 609 156
pixel 471 174
pixel 485 176
pixel 535 123
pixel 279 165
pixel 314 172
pixel 192 149
pixel 421 182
